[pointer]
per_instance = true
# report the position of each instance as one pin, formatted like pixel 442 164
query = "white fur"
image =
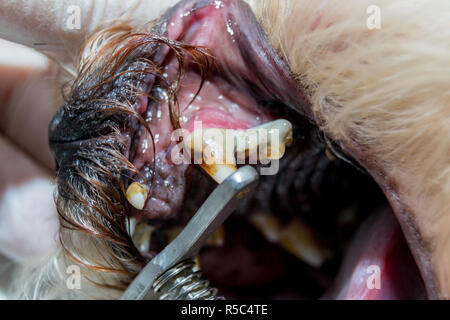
pixel 391 92
pixel 26 229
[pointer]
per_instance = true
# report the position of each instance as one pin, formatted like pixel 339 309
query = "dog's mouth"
pixel 319 227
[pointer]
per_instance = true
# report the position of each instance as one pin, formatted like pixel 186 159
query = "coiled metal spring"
pixel 184 282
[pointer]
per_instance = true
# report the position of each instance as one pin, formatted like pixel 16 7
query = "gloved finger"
pixel 28 219
pixel 62 26
pixel 29 95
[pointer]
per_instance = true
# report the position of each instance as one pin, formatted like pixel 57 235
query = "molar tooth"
pixel 137 195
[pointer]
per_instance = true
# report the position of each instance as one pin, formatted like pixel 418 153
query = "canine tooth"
pixel 296 238
pixel 137 195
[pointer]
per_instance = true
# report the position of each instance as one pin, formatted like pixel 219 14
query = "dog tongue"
pixel 378 264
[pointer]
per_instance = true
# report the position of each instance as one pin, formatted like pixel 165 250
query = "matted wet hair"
pixel 91 152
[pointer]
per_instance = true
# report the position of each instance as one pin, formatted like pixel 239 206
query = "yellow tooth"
pixel 273 136
pixel 142 236
pixel 217 152
pixel 137 195
pixel 296 238
pixel 276 153
pixel 217 147
pixel 219 172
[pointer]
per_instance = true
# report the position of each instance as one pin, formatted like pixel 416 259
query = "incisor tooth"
pixel 137 195
pixel 130 225
pixel 217 147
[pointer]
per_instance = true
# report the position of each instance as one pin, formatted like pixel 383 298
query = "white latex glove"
pixel 62 25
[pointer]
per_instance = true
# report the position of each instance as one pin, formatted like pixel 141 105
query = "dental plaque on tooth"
pixel 218 151
pixel 137 194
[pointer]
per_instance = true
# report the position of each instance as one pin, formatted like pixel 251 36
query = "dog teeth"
pixel 276 153
pixel 272 136
pixel 217 150
pixel 142 236
pixel 214 152
pixel 296 237
pixel 137 195
pixel 219 172
pixel 130 225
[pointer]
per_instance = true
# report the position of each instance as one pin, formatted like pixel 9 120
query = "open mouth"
pixel 318 228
